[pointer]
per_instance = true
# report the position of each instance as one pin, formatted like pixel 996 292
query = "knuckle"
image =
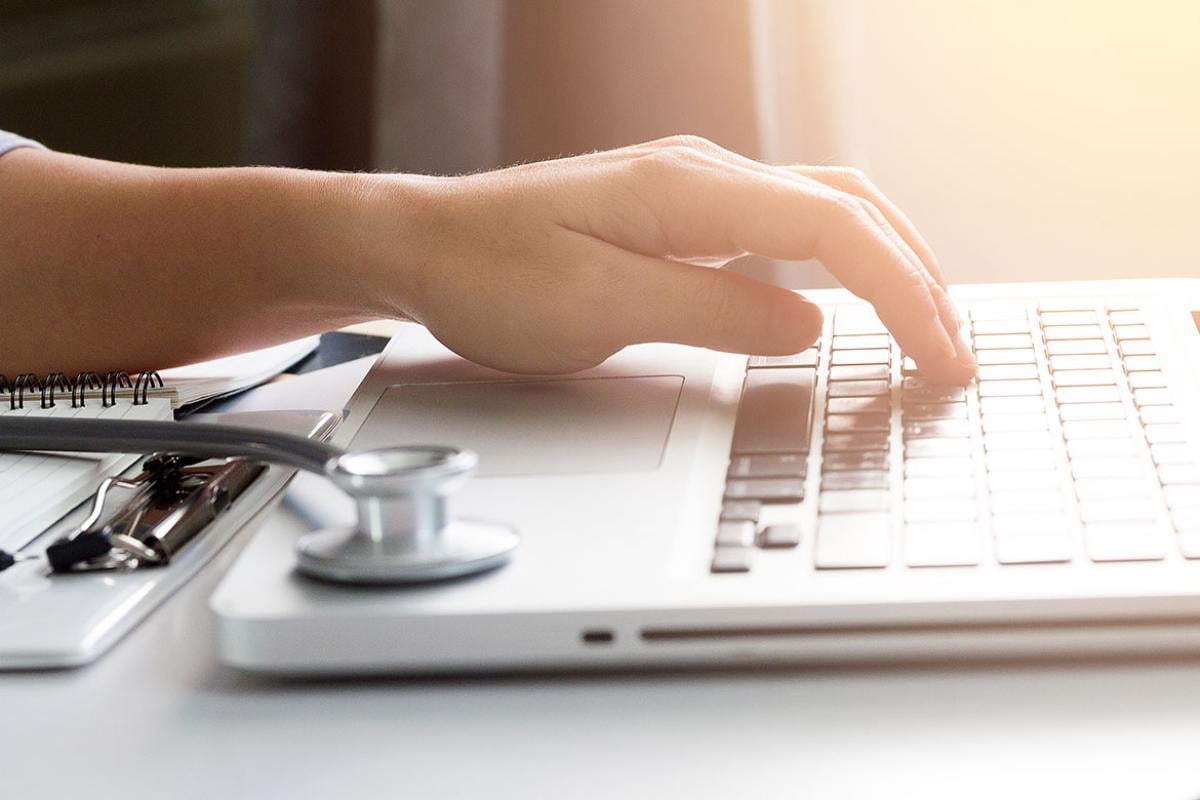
pixel 664 163
pixel 852 176
pixel 689 141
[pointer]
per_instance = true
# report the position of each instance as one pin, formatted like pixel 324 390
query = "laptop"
pixel 679 506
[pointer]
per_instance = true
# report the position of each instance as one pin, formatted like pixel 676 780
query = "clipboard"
pixel 53 620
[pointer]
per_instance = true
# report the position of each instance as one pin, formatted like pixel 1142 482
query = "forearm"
pixel 109 266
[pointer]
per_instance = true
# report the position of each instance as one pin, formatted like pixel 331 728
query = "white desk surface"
pixel 158 716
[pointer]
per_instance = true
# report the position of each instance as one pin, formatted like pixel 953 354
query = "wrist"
pixel 391 231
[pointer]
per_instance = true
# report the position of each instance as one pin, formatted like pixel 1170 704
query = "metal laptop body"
pixel 615 478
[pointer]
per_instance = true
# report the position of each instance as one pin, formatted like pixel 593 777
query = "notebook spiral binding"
pixel 28 385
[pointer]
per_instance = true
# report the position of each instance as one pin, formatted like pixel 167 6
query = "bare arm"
pixel 547 267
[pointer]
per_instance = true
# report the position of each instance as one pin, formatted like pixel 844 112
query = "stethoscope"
pixel 405 532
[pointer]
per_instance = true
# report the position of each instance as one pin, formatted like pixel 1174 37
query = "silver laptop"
pixel 680 506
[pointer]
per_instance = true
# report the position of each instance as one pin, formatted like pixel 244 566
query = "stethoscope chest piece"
pixel 405 532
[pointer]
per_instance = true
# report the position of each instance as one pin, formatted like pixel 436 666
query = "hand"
pixel 553 267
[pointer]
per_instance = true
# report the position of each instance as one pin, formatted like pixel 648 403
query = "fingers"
pixel 705 205
pixel 665 301
pixel 852 181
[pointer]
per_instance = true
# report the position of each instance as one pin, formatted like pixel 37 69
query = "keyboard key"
pixel 937 428
pixel 915 411
pixel 838 357
pixel 1146 380
pixel 1158 414
pixel 749 510
pixel 850 423
pixel 735 533
pixel 1087 394
pixel 1033 539
pixel 1084 468
pixel 856 441
pixel 1092 411
pixel 1003 341
pixel 781 536
pixel 1151 397
pixel 1103 448
pixel 1020 441
pixel 1084 377
pixel 1095 429
pixel 869 341
pixel 1171 454
pixel 1093 361
pixel 1023 479
pixel 990 357
pixel 1125 317
pixel 1011 405
pixel 938 467
pixel 932 393
pixel 1136 347
pixel 949 486
pixel 942 509
pixel 776 411
pixel 990 311
pixel 1076 347
pixel 1049 304
pixel 773 465
pixel 1060 332
pixel 1020 460
pixel 1125 541
pixel 942 544
pixel 847 541
pixel 1182 496
pixel 1068 318
pixel 1121 304
pixel 1009 388
pixel 851 321
pixel 1165 433
pixel 854 461
pixel 936 448
pixel 1173 474
pixel 768 490
pixel 1114 488
pixel 860 372
pixel 994 326
pixel 1008 372
pixel 1124 332
pixel 1011 423
pixel 1115 511
pixel 733 559
pixel 847 500
pixel 858 388
pixel 805 358
pixel 859 405
pixel 1026 502
pixel 1142 364
pixel 856 479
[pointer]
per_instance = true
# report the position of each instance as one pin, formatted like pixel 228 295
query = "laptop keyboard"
pixel 1067 447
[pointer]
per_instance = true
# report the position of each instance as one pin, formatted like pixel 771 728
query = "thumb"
pixel 668 301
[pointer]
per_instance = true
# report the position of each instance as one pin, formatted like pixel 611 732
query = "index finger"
pixel 704 206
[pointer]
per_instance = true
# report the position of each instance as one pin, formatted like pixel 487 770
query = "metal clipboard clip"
pixel 146 520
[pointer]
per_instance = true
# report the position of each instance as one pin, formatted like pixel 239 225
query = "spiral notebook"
pixel 38 489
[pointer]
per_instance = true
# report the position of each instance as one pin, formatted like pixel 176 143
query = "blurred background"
pixel 1027 139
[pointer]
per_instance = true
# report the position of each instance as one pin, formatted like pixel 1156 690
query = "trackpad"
pixel 534 427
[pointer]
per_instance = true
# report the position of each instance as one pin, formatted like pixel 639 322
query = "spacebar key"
pixel 775 415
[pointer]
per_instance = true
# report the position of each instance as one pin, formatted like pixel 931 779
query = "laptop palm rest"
pixel 534 427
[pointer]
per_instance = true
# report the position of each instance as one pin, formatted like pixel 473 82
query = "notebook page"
pixel 38 489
